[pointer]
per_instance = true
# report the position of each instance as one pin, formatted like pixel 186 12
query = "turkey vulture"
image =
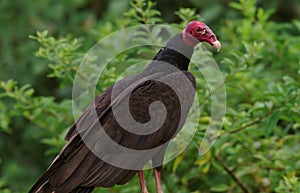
pixel 90 158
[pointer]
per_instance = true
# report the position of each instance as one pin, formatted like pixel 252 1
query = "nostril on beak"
pixel 212 38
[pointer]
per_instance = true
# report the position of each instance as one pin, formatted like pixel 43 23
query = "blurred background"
pixel 258 149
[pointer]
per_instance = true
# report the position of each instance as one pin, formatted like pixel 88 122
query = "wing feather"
pixel 76 166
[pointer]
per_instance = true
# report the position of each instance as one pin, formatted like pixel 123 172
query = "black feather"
pixel 78 170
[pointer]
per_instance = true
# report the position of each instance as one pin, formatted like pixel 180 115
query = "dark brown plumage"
pixel 77 169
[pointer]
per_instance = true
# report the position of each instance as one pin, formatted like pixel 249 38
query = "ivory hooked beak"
pixel 218 45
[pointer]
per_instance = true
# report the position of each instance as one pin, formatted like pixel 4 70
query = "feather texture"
pixel 77 169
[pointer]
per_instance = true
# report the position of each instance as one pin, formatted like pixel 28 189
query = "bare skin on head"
pixel 197 31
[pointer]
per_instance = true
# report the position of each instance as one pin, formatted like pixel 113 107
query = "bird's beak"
pixel 217 44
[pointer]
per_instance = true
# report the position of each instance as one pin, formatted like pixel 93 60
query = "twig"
pixel 259 119
pixel 239 183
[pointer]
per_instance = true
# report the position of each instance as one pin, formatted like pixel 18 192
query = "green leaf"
pixel 270 123
pixel 297 24
pixel 219 188
pixel 177 162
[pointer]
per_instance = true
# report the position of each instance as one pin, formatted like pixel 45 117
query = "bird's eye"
pixel 198 30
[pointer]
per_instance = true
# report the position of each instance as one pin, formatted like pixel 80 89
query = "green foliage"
pixel 258 146
pixel 142 12
pixel 42 111
pixel 289 184
pixel 23 18
pixel 187 15
pixel 62 53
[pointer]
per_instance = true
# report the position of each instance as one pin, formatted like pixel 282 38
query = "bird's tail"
pixel 83 190
pixel 46 188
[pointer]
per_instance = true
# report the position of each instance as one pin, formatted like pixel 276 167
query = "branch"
pixel 232 175
pixel 259 119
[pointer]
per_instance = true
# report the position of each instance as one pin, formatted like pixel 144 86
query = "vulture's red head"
pixel 197 31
